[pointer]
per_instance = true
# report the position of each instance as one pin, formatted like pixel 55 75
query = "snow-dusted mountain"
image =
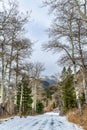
pixel 48 82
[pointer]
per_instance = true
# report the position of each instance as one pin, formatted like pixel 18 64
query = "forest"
pixel 22 90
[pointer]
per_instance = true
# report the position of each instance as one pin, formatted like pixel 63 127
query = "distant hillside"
pixel 51 81
pixel 48 82
pixel 45 84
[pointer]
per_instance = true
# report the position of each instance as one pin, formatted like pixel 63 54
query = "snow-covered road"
pixel 48 121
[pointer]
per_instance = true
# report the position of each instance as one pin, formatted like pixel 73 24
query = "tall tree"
pixel 24 98
pixel 68 94
pixel 61 35
pixel 14 47
pixel 37 69
pixel 82 12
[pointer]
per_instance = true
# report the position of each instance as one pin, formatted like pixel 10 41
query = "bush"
pixel 39 107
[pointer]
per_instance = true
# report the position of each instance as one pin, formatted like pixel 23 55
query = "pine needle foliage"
pixel 68 92
pixel 39 107
pixel 26 97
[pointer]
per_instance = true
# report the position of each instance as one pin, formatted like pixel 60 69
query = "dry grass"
pixel 73 116
pixel 6 116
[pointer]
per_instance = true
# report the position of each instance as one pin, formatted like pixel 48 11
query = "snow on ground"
pixel 47 121
pixel 52 113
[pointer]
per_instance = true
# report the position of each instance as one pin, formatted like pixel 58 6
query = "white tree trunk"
pixel 77 92
pixel 21 98
pixel 85 86
pixel 34 93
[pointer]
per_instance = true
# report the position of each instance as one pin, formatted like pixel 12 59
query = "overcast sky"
pixel 37 32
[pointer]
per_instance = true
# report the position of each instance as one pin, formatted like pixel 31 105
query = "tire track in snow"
pixel 63 124
pixel 30 124
pixel 35 124
pixel 41 122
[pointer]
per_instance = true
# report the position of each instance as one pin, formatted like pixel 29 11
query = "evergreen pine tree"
pixel 26 97
pixel 69 71
pixel 39 107
pixel 64 73
pixel 68 93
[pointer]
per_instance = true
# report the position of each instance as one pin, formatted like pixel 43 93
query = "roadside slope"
pixel 74 117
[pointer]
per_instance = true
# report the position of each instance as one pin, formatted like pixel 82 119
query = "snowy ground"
pixel 48 121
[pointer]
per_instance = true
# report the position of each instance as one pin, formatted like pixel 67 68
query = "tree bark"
pixel 21 97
